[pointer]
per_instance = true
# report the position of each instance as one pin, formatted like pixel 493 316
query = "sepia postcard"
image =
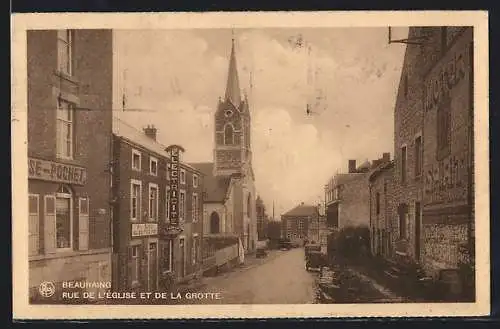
pixel 250 165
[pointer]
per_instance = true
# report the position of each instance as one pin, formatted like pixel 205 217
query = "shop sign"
pixel 56 172
pixel 174 151
pixel 144 229
pixel 446 180
pixel 445 77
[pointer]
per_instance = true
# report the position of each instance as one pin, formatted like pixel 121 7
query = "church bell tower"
pixel 232 152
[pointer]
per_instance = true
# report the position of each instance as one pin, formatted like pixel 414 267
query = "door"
pixel 417 231
pixel 182 250
pixel 152 266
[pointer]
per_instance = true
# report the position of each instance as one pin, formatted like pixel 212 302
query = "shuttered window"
pixel 83 223
pixel 50 223
pixel 34 221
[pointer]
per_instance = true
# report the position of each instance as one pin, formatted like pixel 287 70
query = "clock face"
pixel 228 113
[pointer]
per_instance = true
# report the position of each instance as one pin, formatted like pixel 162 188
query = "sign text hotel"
pixel 144 229
pixel 56 172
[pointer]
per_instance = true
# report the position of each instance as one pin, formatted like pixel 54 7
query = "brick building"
pixel 145 243
pixel 347 197
pixel 380 185
pixel 69 153
pixel 433 148
pixel 297 221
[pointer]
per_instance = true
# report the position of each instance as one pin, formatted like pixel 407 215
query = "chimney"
pixel 352 166
pixel 386 157
pixel 150 131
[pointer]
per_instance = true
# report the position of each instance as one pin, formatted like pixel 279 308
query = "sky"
pixel 348 75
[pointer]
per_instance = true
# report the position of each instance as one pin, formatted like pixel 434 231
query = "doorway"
pixel 182 250
pixel 152 266
pixel 418 220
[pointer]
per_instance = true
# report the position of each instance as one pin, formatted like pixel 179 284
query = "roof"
pixel 302 210
pixel 214 187
pixel 126 131
pixel 375 172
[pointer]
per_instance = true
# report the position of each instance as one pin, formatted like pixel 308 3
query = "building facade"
pixel 347 198
pixel 381 185
pixel 145 244
pixel 448 152
pixel 230 190
pixel 433 190
pixel 69 154
pixel 296 223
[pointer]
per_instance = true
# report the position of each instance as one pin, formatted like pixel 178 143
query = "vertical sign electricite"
pixel 174 151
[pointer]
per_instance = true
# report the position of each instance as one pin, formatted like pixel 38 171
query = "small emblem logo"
pixel 47 289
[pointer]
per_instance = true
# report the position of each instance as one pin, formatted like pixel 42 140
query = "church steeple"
pixel 233 86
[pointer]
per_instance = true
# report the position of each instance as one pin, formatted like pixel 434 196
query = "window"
pixel 195 180
pixel 168 170
pixel 183 176
pixel 64 51
pixel 134 264
pixel 153 202
pixel 194 251
pixel 34 224
pixel 403 164
pixel 195 207
pixel 65 114
pixel 403 214
pixel 83 223
pixel 182 204
pixel 64 215
pixel 153 166
pixel 228 134
pixel 418 157
pixel 136 160
pixel 377 203
pixel 135 199
pixel 443 129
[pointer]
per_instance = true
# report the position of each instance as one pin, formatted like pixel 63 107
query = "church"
pixel 229 191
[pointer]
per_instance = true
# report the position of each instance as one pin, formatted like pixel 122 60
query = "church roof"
pixel 302 210
pixel 233 85
pixel 214 187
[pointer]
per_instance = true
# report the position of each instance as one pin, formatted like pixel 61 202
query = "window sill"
pixel 69 253
pixel 67 77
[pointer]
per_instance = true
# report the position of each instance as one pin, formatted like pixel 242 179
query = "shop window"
pixel 135 199
pixel 153 166
pixel 64 216
pixel 182 205
pixel 135 263
pixel 153 202
pixel 228 134
pixel 183 176
pixel 50 223
pixel 418 157
pixel 83 223
pixel 65 51
pixel 64 139
pixel 196 205
pixel 34 224
pixel 136 160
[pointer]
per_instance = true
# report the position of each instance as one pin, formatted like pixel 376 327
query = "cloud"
pixel 181 74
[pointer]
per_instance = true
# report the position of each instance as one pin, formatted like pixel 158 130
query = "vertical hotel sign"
pixel 174 151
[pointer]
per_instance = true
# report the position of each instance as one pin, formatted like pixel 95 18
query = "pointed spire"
pixel 233 85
